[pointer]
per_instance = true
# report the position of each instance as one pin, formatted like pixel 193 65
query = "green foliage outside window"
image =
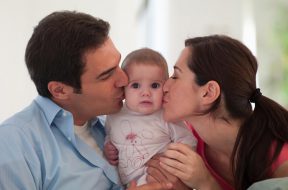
pixel 281 35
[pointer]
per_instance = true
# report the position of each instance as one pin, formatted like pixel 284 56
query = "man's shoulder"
pixel 29 116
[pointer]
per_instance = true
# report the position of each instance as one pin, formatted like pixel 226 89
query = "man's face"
pixel 102 84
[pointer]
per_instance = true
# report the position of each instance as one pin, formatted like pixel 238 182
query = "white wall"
pixel 189 18
pixel 17 20
pixel 163 26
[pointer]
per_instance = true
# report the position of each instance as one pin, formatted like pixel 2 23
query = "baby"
pixel 138 131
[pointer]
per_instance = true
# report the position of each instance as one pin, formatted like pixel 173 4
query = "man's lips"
pixel 121 96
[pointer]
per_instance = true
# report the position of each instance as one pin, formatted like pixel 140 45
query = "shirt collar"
pixel 51 109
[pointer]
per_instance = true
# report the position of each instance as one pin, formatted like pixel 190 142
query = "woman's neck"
pixel 221 164
pixel 217 133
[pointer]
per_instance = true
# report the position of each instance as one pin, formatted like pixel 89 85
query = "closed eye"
pixel 174 77
pixel 106 74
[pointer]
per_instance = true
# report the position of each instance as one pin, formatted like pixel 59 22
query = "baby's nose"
pixel 146 92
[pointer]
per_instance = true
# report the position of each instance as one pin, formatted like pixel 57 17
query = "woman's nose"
pixel 166 86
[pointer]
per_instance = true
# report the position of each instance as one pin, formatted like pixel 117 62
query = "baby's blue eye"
pixel 135 85
pixel 155 85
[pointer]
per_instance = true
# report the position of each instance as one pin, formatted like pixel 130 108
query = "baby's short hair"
pixel 145 56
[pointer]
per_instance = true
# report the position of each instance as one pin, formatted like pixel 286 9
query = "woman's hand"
pixel 111 153
pixel 150 186
pixel 181 161
pixel 160 175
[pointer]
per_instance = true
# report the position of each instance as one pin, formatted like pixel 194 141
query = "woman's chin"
pixel 170 117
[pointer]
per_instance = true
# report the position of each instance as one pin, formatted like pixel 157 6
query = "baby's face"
pixel 144 92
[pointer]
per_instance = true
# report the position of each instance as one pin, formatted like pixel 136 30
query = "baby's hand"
pixel 111 153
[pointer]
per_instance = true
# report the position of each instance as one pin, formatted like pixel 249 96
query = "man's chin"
pixel 116 109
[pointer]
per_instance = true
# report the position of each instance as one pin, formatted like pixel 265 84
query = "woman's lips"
pixel 164 101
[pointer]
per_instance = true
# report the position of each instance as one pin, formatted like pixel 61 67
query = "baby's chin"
pixel 147 109
pixel 147 112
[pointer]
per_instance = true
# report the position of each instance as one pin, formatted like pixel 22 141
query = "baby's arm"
pixel 110 151
pixel 181 134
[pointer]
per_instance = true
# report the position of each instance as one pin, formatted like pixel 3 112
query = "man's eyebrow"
pixel 106 72
pixel 177 68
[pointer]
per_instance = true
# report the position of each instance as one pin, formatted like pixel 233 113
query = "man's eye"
pixel 135 85
pixel 104 77
pixel 155 85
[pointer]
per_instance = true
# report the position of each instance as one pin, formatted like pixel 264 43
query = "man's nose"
pixel 122 79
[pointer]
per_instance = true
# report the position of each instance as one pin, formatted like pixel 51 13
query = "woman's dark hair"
pixel 56 49
pixel 265 129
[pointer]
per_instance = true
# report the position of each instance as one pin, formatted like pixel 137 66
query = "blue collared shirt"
pixel 39 151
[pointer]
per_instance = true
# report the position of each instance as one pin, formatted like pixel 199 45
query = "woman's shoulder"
pixel 280 165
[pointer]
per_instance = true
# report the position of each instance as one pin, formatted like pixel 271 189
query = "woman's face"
pixel 181 93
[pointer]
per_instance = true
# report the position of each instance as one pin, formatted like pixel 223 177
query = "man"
pixel 56 142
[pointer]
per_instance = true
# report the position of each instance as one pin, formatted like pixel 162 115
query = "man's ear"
pixel 59 90
pixel 211 92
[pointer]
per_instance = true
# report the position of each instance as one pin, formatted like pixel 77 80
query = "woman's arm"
pixel 160 175
pixel 181 161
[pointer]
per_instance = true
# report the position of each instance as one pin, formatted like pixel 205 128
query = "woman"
pixel 212 88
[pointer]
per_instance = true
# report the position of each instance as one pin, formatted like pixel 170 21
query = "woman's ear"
pixel 59 90
pixel 211 92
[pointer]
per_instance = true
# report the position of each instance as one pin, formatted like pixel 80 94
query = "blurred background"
pixel 159 24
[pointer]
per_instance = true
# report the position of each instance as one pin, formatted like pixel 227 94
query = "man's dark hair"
pixel 56 49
